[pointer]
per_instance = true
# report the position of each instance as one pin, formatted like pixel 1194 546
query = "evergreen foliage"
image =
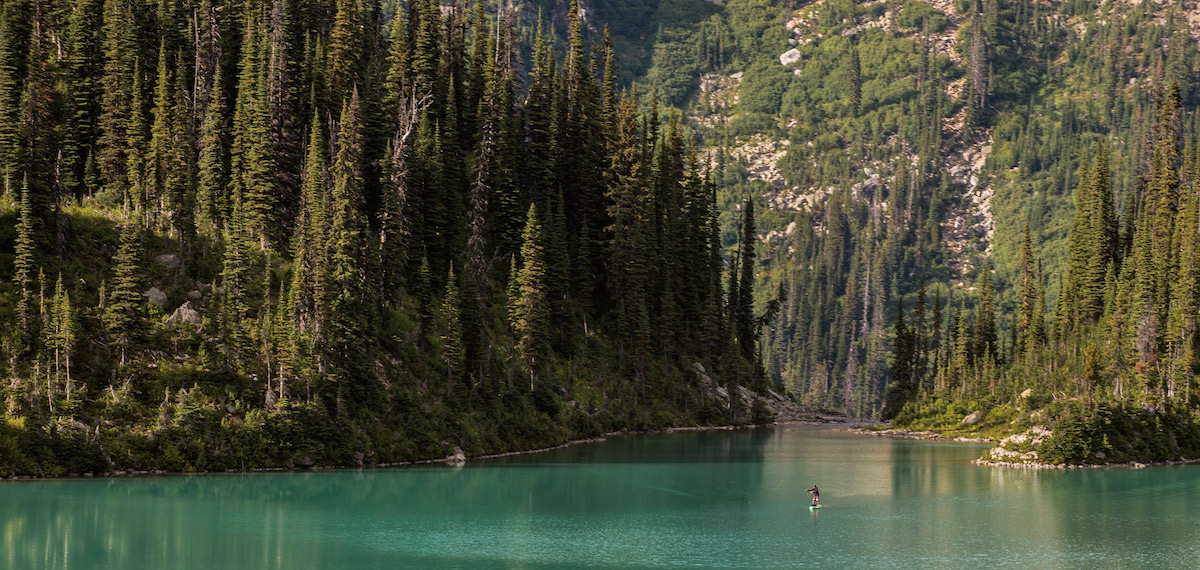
pixel 318 226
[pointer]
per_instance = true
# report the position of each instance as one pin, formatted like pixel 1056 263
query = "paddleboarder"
pixel 816 501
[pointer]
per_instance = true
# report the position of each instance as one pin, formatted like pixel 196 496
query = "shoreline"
pixel 853 425
pixel 1067 466
pixel 934 436
pixel 454 460
pixel 922 435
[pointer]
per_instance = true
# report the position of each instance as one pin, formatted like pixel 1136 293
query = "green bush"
pixel 917 14
pixel 763 87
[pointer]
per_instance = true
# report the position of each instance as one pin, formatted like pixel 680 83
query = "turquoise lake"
pixel 719 499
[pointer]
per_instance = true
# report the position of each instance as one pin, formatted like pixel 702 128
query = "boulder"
pixel 1027 393
pixel 456 458
pixel 195 295
pixel 973 418
pixel 156 297
pixel 790 57
pixel 185 314
pixel 169 260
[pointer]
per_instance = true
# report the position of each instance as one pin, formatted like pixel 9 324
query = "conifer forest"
pixel 244 234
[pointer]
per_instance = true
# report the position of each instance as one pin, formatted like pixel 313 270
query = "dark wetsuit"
pixel 816 495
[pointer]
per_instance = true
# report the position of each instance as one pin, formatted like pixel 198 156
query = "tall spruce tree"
pixel 23 264
pixel 349 303
pixel 529 305
pixel 125 308
pixel 120 55
pixel 744 317
pixel 307 296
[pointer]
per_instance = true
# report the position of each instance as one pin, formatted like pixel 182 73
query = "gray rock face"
pixel 169 260
pixel 156 297
pixel 185 314
pixel 973 418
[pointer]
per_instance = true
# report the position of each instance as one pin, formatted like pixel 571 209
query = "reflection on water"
pixel 709 499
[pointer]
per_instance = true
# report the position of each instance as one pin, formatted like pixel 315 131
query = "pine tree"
pixel 630 210
pixel 396 80
pixel 181 175
pixel 744 317
pixel 978 72
pixel 138 190
pixel 84 66
pixel 348 280
pixel 61 337
pixel 394 223
pixel 452 336
pixel 530 305
pixel 125 310
pixel 1185 290
pixel 855 82
pixel 1027 297
pixel 345 47
pixel 11 59
pixel 985 317
pixel 23 264
pixel 159 151
pixel 212 208
pixel 1093 244
pixel 38 127
pixel 235 319
pixel 542 118
pixel 252 183
pixel 307 296
pixel 902 388
pixel 120 54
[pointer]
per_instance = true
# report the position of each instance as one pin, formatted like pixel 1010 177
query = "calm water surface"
pixel 684 500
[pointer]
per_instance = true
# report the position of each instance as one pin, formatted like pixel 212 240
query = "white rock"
pixel 185 314
pixel 790 57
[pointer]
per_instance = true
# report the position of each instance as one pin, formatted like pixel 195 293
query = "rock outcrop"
pixel 156 297
pixel 186 314
pixel 781 408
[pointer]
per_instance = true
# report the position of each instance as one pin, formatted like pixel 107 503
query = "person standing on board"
pixel 816 502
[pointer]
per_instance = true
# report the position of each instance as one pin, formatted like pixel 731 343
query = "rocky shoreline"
pixel 1064 466
pixel 925 435
pixel 935 436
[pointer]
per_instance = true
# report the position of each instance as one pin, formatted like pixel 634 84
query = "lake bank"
pixel 785 411
pixel 1029 461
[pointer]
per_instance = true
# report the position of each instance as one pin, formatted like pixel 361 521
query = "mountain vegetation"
pixel 264 233
pixel 970 206
pixel 261 233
